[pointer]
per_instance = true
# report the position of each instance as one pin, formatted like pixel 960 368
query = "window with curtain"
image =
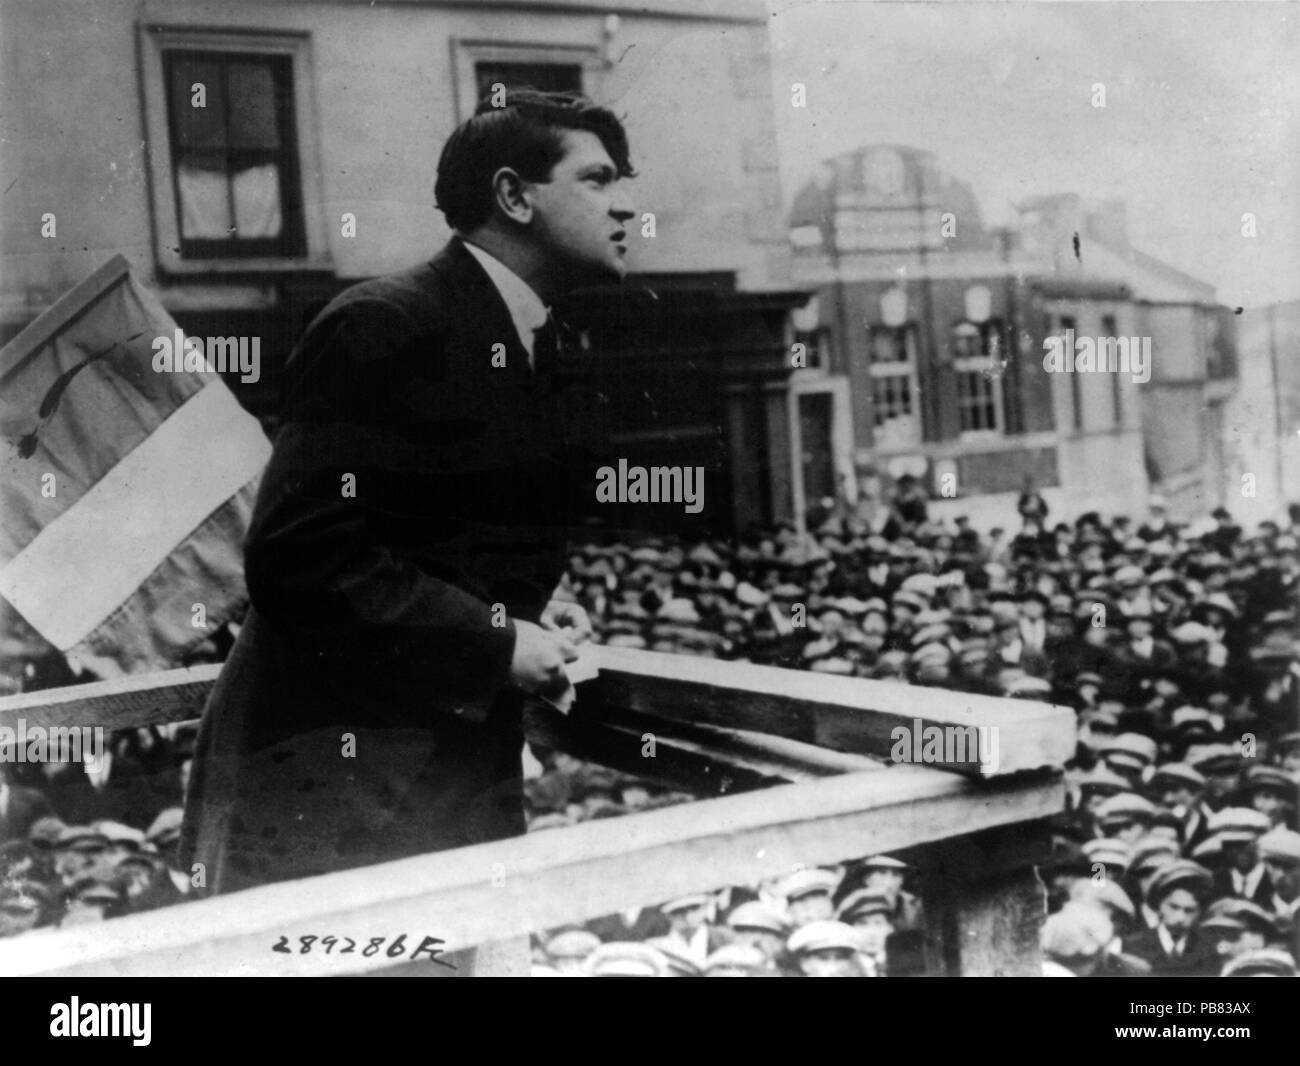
pixel 234 156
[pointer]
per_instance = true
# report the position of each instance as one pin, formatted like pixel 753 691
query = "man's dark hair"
pixel 525 135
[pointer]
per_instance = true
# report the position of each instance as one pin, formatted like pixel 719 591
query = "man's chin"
pixel 592 275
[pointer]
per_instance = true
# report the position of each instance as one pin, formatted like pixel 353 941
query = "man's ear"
pixel 511 195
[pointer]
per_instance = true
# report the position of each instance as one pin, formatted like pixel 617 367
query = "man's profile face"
pixel 581 213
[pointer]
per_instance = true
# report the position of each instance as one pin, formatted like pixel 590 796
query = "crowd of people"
pixel 1175 643
pixel 83 842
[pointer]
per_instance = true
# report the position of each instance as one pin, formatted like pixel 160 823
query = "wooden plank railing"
pixel 799 726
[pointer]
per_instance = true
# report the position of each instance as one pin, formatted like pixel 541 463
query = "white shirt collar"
pixel 1284 908
pixel 1246 884
pixel 525 306
pixel 1167 941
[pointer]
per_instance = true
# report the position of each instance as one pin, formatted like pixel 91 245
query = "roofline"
pixel 737 11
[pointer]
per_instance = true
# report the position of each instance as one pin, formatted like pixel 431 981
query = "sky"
pixel 1201 123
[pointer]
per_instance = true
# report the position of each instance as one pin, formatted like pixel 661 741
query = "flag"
pixel 125 491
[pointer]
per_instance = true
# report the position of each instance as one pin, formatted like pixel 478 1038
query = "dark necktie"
pixel 553 340
pixel 546 344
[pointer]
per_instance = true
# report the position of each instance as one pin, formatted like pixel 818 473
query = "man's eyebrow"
pixel 604 170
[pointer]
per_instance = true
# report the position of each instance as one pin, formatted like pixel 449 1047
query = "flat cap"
pixel 1280 845
pixel 903 598
pixel 1126 807
pixel 627 959
pixel 1265 962
pixel 572 944
pixel 1029 687
pixel 1188 715
pixel 883 862
pixel 1134 745
pixel 1191 633
pixel 117 833
pixel 1239 823
pixel 744 958
pixel 757 915
pixel 1182 873
pixel 807 882
pixel 166 827
pixel 94 890
pixel 1217 758
pixel 680 964
pixel 1246 913
pixel 1153 851
pixel 81 836
pixel 863 902
pixel 1129 575
pixel 824 936
pixel 1109 852
pixel 1078 930
pixel 682 903
pixel 921 584
pixel 1178 775
pixel 45 832
pixel 678 610
pixel 1102 780
pixel 1271 778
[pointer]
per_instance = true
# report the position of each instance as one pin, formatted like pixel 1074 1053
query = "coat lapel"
pixel 476 301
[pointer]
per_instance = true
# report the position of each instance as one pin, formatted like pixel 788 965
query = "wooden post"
pixel 987 902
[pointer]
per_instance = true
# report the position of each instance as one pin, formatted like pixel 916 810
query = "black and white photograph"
pixel 684 488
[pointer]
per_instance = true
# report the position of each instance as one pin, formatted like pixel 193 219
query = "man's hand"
pixel 540 655
pixel 560 614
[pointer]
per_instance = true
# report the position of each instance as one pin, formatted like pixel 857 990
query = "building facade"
pixel 252 159
pixel 934 330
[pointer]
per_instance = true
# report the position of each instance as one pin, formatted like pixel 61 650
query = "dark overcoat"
pixel 365 712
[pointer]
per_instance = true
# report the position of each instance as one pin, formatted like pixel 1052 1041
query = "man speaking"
pixel 410 527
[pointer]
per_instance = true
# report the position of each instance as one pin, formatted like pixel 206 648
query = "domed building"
pixel 930 334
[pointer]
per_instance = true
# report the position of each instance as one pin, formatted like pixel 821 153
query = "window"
pixel 978 364
pixel 1110 329
pixel 549 77
pixel 1067 322
pixel 234 166
pixel 896 420
pixel 817 345
pixel 481 64
pixel 233 151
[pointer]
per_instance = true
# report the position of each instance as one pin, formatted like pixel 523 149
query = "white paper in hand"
pixel 583 668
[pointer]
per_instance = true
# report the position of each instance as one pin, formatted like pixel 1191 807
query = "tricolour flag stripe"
pixel 90 559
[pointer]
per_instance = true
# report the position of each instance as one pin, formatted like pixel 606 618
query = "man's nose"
pixel 621 209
